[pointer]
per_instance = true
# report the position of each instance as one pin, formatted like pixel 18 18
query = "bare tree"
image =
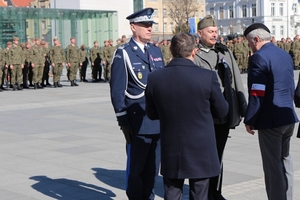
pixel 180 11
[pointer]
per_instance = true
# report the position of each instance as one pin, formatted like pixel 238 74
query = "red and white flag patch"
pixel 258 90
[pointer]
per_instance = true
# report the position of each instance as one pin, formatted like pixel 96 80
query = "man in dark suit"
pixel 185 98
pixel 270 110
pixel 132 63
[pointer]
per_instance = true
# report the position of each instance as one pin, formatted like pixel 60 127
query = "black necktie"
pixel 146 51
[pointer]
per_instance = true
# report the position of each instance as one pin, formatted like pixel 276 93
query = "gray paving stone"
pixel 64 143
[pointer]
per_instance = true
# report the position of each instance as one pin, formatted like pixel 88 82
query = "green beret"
pixel 207 21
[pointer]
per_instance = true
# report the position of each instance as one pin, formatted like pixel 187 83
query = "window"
pixel 281 30
pixel 171 27
pixel 230 11
pixel 253 10
pixel 244 10
pixel 165 27
pixel 281 9
pixel 196 14
pixel 165 13
pixel 221 13
pixel 43 25
pixel 295 8
pixel 272 9
pixel 212 11
pixel 155 27
pixel 155 13
pixel 273 30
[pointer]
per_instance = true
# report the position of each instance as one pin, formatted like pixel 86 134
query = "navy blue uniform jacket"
pixel 129 71
pixel 271 88
pixel 185 98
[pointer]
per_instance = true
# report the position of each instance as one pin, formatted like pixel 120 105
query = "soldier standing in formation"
pixel 295 50
pixel 47 65
pixel 73 61
pixel 239 53
pixel 28 54
pixel 38 63
pixel 58 60
pixel 16 60
pixel 108 53
pixel 165 49
pixel 6 69
pixel 84 62
pixel 95 56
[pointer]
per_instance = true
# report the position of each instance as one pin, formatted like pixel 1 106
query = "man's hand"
pixel 128 133
pixel 53 65
pixel 11 67
pixel 250 129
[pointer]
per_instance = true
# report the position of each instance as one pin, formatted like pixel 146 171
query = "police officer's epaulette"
pixel 221 47
pixel 123 46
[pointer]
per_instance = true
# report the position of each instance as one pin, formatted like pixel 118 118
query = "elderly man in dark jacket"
pixel 185 98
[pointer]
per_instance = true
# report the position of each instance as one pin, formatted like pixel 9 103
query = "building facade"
pixel 282 17
pixel 165 24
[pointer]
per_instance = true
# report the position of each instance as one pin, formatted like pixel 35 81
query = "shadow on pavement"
pixel 66 189
pixel 116 179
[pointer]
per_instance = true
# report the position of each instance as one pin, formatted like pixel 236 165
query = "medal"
pixel 140 75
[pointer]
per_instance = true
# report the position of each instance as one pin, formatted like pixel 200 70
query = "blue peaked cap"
pixel 142 16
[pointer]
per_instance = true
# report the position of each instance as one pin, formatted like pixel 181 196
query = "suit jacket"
pixel 129 71
pixel 271 88
pixel 185 98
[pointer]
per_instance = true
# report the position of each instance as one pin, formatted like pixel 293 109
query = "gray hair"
pixel 261 33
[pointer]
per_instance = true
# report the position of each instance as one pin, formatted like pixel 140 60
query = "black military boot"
pixel 14 87
pixel 19 87
pixel 55 84
pixel 75 84
pixel 59 85
pixel 39 86
pixel 72 83
pixel 35 86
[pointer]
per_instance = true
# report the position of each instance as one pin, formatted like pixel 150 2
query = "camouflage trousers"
pixel 16 75
pixel 1 74
pixel 38 71
pixel 57 70
pixel 107 67
pixel 72 71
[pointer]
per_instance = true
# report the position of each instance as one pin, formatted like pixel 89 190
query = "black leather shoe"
pixel 218 197
pixel 75 84
pixel 84 80
pixel 43 85
pixel 72 83
pixel 31 85
pixel 55 84
pixel 14 87
pixel 35 86
pixel 19 87
pixel 59 85
pixel 48 84
pixel 39 86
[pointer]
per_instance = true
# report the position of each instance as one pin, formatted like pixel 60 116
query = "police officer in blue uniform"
pixel 132 62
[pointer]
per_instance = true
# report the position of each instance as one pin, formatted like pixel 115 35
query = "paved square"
pixel 64 143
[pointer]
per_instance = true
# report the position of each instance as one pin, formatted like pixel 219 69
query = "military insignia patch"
pixel 140 75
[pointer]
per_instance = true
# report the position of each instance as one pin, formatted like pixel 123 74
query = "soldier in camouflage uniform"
pixel 73 61
pixel 84 60
pixel 239 53
pixel 108 55
pixel 287 45
pixel 2 63
pixel 38 64
pixel 57 58
pixel 295 50
pixel 123 40
pixel 47 65
pixel 28 54
pixel 95 56
pixel 6 65
pixel 247 54
pixel 16 60
pixel 165 49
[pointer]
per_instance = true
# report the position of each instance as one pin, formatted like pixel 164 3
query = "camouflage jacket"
pixel 95 55
pixel 15 55
pixel 72 54
pixel 38 55
pixel 56 55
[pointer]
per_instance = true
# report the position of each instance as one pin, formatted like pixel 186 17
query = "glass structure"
pixel 85 25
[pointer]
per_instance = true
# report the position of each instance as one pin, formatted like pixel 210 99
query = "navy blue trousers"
pixel 143 159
